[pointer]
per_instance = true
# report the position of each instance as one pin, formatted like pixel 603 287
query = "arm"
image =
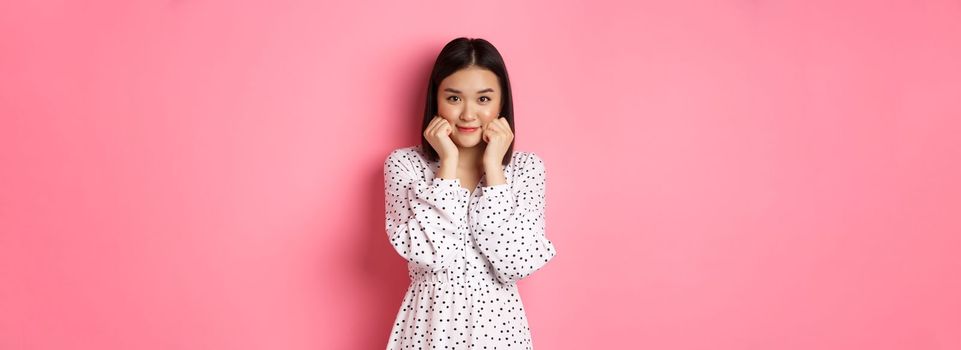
pixel 423 217
pixel 510 230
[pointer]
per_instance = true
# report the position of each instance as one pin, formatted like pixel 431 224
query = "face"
pixel 469 98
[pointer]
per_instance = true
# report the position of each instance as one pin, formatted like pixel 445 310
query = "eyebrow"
pixel 458 91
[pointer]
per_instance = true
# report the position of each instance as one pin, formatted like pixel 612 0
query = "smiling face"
pixel 469 98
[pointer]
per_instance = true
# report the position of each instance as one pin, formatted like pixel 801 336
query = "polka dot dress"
pixel 465 252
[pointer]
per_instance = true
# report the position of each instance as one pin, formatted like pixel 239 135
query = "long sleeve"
pixel 510 228
pixel 423 217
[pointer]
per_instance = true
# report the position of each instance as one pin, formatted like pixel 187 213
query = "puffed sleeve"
pixel 423 217
pixel 510 223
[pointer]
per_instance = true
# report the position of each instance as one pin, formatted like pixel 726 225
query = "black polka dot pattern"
pixel 465 252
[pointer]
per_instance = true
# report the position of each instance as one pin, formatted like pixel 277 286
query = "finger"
pixel 492 125
pixel 446 128
pixel 496 125
pixel 492 132
pixel 439 123
pixel 506 126
pixel 427 130
pixel 433 129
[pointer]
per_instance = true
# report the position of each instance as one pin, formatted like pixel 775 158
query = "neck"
pixel 470 158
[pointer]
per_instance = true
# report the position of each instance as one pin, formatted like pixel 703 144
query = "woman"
pixel 465 210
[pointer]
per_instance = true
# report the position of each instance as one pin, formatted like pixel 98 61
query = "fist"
pixel 498 136
pixel 437 134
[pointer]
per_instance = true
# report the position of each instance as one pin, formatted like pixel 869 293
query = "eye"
pixel 450 98
pixel 483 97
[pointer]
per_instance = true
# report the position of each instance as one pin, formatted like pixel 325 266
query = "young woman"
pixel 465 210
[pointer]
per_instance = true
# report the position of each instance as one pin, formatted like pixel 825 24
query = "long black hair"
pixel 462 53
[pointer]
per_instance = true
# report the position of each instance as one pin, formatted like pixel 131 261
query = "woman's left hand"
pixel 498 136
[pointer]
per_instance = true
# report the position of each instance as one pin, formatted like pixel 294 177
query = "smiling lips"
pixel 466 130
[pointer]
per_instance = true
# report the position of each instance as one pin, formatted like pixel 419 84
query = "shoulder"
pixel 406 157
pixel 526 158
pixel 528 161
pixel 405 152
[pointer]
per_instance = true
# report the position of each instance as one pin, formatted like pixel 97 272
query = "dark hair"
pixel 462 53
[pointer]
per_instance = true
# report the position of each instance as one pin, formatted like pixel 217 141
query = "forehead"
pixel 470 78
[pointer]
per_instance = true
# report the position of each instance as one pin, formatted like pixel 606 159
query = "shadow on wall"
pixel 384 272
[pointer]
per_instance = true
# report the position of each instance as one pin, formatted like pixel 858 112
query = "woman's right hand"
pixel 438 135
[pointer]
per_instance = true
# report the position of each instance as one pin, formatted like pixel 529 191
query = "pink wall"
pixel 723 174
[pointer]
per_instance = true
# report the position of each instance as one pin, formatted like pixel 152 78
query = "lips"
pixel 465 129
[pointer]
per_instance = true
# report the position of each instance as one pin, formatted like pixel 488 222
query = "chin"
pixel 469 143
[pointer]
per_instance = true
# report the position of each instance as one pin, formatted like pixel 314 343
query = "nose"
pixel 467 114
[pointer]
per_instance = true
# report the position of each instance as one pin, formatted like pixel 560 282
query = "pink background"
pixel 721 174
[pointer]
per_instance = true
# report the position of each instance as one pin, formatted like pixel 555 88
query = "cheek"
pixel 489 117
pixel 493 111
pixel 485 112
pixel 446 110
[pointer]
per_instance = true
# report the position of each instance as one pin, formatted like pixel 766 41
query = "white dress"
pixel 465 252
